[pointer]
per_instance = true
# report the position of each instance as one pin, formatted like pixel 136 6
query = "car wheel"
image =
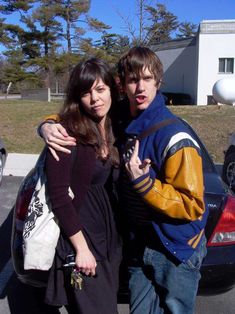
pixel 229 170
pixel 1 167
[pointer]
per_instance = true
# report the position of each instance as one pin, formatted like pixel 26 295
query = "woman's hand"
pixel 135 167
pixel 56 136
pixel 85 260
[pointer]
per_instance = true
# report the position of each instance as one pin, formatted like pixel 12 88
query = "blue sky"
pixel 186 10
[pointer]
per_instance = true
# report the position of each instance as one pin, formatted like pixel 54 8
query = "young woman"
pixel 87 215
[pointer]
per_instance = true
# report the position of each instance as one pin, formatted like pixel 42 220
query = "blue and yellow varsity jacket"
pixel 174 187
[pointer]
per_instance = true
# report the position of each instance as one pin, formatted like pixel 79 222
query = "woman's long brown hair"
pixel 76 120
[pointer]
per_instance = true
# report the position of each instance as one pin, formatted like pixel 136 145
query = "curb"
pixel 19 164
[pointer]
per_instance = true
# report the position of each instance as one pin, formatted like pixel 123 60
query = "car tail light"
pixel 22 203
pixel 224 232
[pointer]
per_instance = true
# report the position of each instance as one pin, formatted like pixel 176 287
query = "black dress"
pixel 97 217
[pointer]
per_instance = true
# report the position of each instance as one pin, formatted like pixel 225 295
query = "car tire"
pixel 229 170
pixel 1 167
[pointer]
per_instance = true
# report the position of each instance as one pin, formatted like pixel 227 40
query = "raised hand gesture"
pixel 135 167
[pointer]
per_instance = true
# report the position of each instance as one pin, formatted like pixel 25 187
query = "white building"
pixel 193 65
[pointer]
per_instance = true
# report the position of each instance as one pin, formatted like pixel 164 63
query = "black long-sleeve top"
pixel 70 171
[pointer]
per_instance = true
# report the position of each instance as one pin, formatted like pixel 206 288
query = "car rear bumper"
pixel 216 279
pixel 218 270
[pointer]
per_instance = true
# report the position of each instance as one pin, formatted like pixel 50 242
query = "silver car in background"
pixel 3 157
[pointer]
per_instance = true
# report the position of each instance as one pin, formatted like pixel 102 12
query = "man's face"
pixel 140 90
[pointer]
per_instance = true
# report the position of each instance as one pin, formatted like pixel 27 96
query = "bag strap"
pixel 156 127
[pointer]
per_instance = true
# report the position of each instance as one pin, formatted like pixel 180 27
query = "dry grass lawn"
pixel 19 120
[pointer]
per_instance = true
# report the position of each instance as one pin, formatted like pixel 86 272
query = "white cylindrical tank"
pixel 224 91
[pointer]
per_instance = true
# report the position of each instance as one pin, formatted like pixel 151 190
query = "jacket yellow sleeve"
pixel 52 117
pixel 181 195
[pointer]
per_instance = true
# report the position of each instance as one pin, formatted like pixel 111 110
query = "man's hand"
pixel 56 137
pixel 135 167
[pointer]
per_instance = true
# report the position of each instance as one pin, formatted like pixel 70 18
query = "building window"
pixel 226 65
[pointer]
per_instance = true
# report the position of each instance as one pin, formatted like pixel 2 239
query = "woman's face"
pixel 97 100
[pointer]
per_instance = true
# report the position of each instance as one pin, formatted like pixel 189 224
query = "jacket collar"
pixel 155 113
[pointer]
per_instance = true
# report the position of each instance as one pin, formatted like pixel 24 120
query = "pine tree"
pixel 75 13
pixel 187 29
pixel 163 23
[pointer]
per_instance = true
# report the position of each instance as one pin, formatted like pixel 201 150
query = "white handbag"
pixel 41 231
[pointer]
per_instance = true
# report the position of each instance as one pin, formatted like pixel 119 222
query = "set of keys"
pixel 76 279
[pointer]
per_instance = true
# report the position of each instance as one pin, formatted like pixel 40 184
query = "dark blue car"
pixel 218 269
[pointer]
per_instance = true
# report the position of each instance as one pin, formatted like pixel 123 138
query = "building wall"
pixel 179 70
pixel 179 59
pixel 191 65
pixel 212 47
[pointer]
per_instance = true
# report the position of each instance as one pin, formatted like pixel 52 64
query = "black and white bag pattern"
pixel 41 231
pixel 35 210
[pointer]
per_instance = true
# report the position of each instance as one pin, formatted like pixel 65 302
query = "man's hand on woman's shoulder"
pixel 56 137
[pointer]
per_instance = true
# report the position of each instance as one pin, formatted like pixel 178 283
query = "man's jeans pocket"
pixel 195 261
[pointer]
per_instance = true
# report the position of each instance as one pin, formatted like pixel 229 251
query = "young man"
pixel 161 193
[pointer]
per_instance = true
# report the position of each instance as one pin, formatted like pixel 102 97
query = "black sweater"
pixel 69 172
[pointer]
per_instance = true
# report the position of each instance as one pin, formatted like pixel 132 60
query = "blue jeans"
pixel 161 285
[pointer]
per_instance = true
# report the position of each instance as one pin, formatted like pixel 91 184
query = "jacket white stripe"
pixel 175 139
